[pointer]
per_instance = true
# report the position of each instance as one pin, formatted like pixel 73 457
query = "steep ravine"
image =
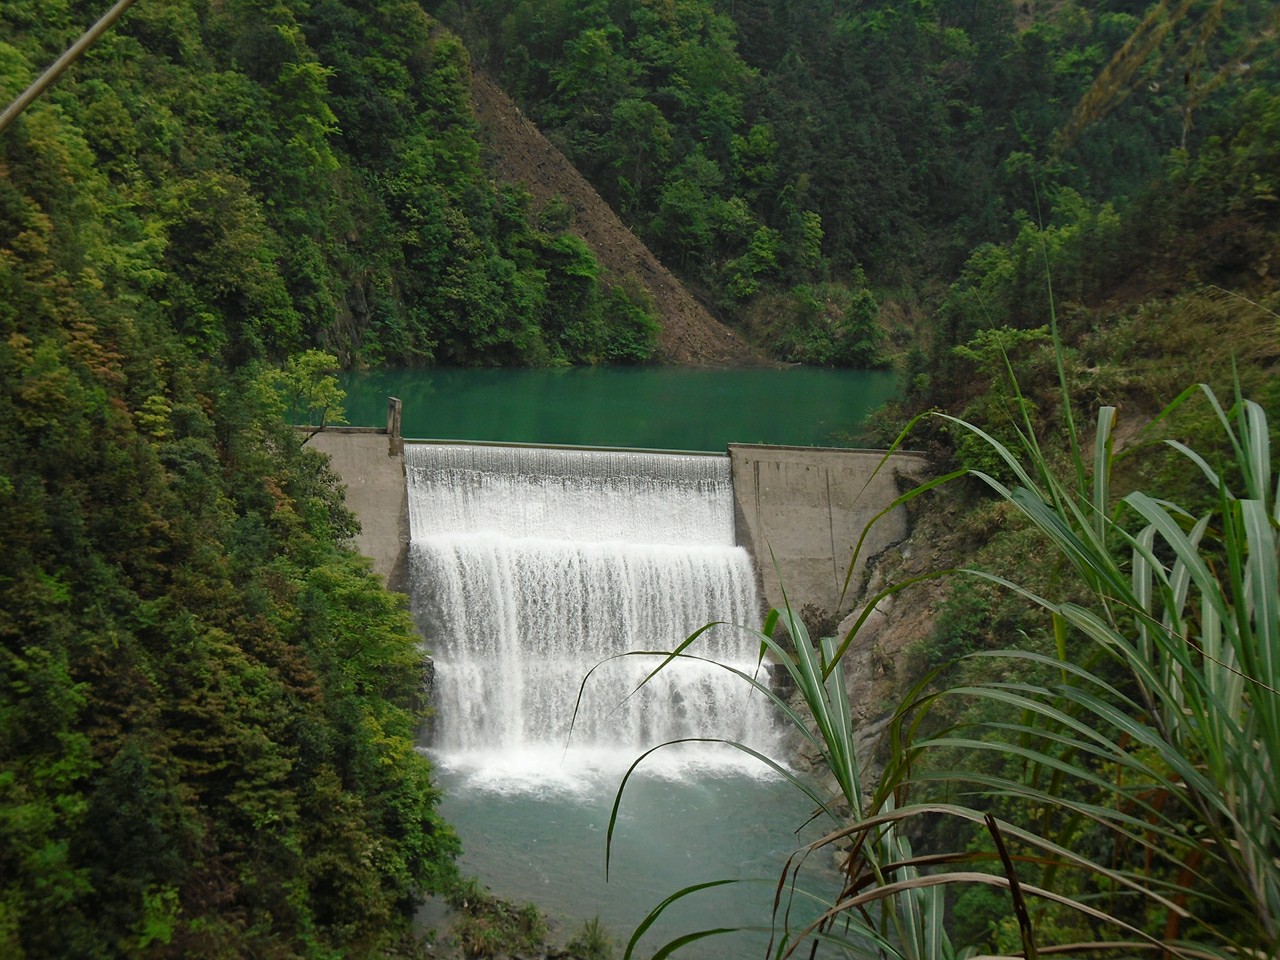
pixel 875 662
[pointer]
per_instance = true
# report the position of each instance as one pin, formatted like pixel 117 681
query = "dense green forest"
pixel 208 706
pixel 809 167
pixel 207 702
pixel 275 175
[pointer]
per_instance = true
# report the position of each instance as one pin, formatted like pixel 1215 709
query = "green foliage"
pixel 759 262
pixel 826 324
pixel 274 177
pixel 207 702
pixel 631 332
pixel 1001 408
pixel 492 927
pixel 308 389
pixel 651 103
pixel 1004 286
pixel 1166 765
pixel 962 627
pixel 181 746
pixel 760 147
pixel 592 942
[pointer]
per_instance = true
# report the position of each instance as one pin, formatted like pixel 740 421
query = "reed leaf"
pixel 1158 740
pixel 652 917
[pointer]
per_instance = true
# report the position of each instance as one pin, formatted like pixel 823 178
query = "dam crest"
pixel 798 511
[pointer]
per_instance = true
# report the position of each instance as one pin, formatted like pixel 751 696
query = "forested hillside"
pixel 207 703
pixel 521 155
pixel 274 175
pixel 812 167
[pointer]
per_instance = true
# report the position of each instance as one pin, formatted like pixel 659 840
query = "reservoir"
pixel 659 408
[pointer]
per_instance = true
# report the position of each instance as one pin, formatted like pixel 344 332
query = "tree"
pixel 308 390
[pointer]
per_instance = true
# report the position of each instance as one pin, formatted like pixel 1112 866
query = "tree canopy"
pixel 766 148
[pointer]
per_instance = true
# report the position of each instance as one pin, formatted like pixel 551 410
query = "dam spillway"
pixel 530 565
pixel 798 510
pixel 570 493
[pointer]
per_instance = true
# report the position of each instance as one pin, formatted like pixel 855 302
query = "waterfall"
pixel 531 565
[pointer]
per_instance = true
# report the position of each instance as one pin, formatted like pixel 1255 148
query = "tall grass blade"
pixel 652 917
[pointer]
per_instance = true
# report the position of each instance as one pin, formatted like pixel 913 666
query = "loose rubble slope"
pixel 522 155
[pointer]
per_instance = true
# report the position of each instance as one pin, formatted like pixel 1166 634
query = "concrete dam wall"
pixel 799 511
pixel 370 463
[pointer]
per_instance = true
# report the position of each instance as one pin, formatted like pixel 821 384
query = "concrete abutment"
pixel 801 510
pixel 370 463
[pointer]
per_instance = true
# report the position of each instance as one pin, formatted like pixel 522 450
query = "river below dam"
pixel 541 838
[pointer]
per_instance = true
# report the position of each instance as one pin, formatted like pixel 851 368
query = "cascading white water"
pixel 532 565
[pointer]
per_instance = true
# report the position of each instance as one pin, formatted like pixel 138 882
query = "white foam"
pixel 519 617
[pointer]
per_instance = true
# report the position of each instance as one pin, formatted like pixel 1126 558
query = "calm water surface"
pixel 667 408
pixel 547 845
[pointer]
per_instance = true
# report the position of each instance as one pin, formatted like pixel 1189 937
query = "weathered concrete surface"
pixel 371 464
pixel 801 510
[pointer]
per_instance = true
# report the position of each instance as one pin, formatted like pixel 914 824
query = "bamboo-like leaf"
pixel 1142 578
pixel 1102 457
pixel 772 764
pixel 669 655
pixel 1184 549
pixel 1066 854
pixel 965 877
pixel 1175 758
pixel 1161 841
pixel 1263 598
pixel 652 917
pixel 869 607
pixel 897 503
pixel 1211 474
pixel 1003 452
pixel 1257 450
pixel 668 949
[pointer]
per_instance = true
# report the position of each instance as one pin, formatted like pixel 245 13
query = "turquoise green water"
pixel 548 846
pixel 668 408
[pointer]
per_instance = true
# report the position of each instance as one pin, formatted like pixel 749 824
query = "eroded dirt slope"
pixel 522 155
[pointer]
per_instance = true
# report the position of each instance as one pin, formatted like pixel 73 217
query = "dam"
pixel 798 511
pixel 531 567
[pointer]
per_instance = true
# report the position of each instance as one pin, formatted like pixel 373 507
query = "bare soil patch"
pixel 522 155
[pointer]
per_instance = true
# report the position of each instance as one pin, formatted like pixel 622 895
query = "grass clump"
pixel 591 942
pixel 488 926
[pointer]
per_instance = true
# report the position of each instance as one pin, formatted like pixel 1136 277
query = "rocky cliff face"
pixel 882 661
